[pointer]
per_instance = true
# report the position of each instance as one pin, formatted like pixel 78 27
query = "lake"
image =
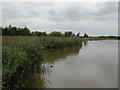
pixel 92 65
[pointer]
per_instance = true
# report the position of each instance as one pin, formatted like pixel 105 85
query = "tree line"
pixel 14 31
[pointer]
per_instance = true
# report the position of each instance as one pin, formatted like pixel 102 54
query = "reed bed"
pixel 20 52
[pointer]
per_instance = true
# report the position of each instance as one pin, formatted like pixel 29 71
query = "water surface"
pixel 93 65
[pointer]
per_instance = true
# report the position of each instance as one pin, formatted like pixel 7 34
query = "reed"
pixel 20 52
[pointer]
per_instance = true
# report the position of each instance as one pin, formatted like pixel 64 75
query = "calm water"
pixel 92 65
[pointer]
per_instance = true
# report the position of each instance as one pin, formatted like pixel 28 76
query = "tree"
pixel 14 31
pixel 68 34
pixel 37 33
pixel 43 34
pixel 78 34
pixel 5 31
pixel 55 33
pixel 26 31
pixel 85 35
pixel 9 27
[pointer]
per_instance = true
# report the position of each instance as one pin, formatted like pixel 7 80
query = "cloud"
pixel 75 12
pixel 94 18
pixel 0 14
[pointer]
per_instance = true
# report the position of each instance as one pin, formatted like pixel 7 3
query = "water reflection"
pixel 27 78
pixel 85 43
pixel 94 66
pixel 33 79
pixel 37 77
pixel 58 54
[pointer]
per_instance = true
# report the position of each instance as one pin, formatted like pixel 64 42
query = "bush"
pixel 12 59
pixel 57 34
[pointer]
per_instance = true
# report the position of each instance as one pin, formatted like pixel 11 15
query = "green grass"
pixel 20 52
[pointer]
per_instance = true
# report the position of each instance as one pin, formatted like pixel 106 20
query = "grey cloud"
pixel 104 10
pixel 9 12
pixel 55 15
pixel 64 16
pixel 107 8
pixel 71 12
pixel 19 10
pixel 77 12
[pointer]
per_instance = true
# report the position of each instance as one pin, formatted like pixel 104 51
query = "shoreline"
pixel 21 51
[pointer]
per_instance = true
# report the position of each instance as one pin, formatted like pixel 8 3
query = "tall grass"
pixel 20 52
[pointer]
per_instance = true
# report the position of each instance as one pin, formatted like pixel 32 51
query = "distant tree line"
pixel 14 31
pixel 112 37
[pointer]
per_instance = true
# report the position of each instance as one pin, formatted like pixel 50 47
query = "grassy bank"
pixel 20 52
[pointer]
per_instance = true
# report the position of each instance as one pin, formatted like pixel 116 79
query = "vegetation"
pixel 108 37
pixel 78 34
pixel 36 33
pixel 14 31
pixel 22 48
pixel 68 34
pixel 54 33
pixel 20 52
pixel 85 35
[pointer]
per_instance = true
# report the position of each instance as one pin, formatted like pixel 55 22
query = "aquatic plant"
pixel 20 52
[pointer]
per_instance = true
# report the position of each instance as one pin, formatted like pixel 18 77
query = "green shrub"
pixel 12 59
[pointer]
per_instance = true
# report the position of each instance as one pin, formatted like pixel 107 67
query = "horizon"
pixel 62 32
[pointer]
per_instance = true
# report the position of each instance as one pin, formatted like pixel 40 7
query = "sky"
pixel 93 18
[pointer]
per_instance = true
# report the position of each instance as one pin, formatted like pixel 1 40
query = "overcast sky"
pixel 94 18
